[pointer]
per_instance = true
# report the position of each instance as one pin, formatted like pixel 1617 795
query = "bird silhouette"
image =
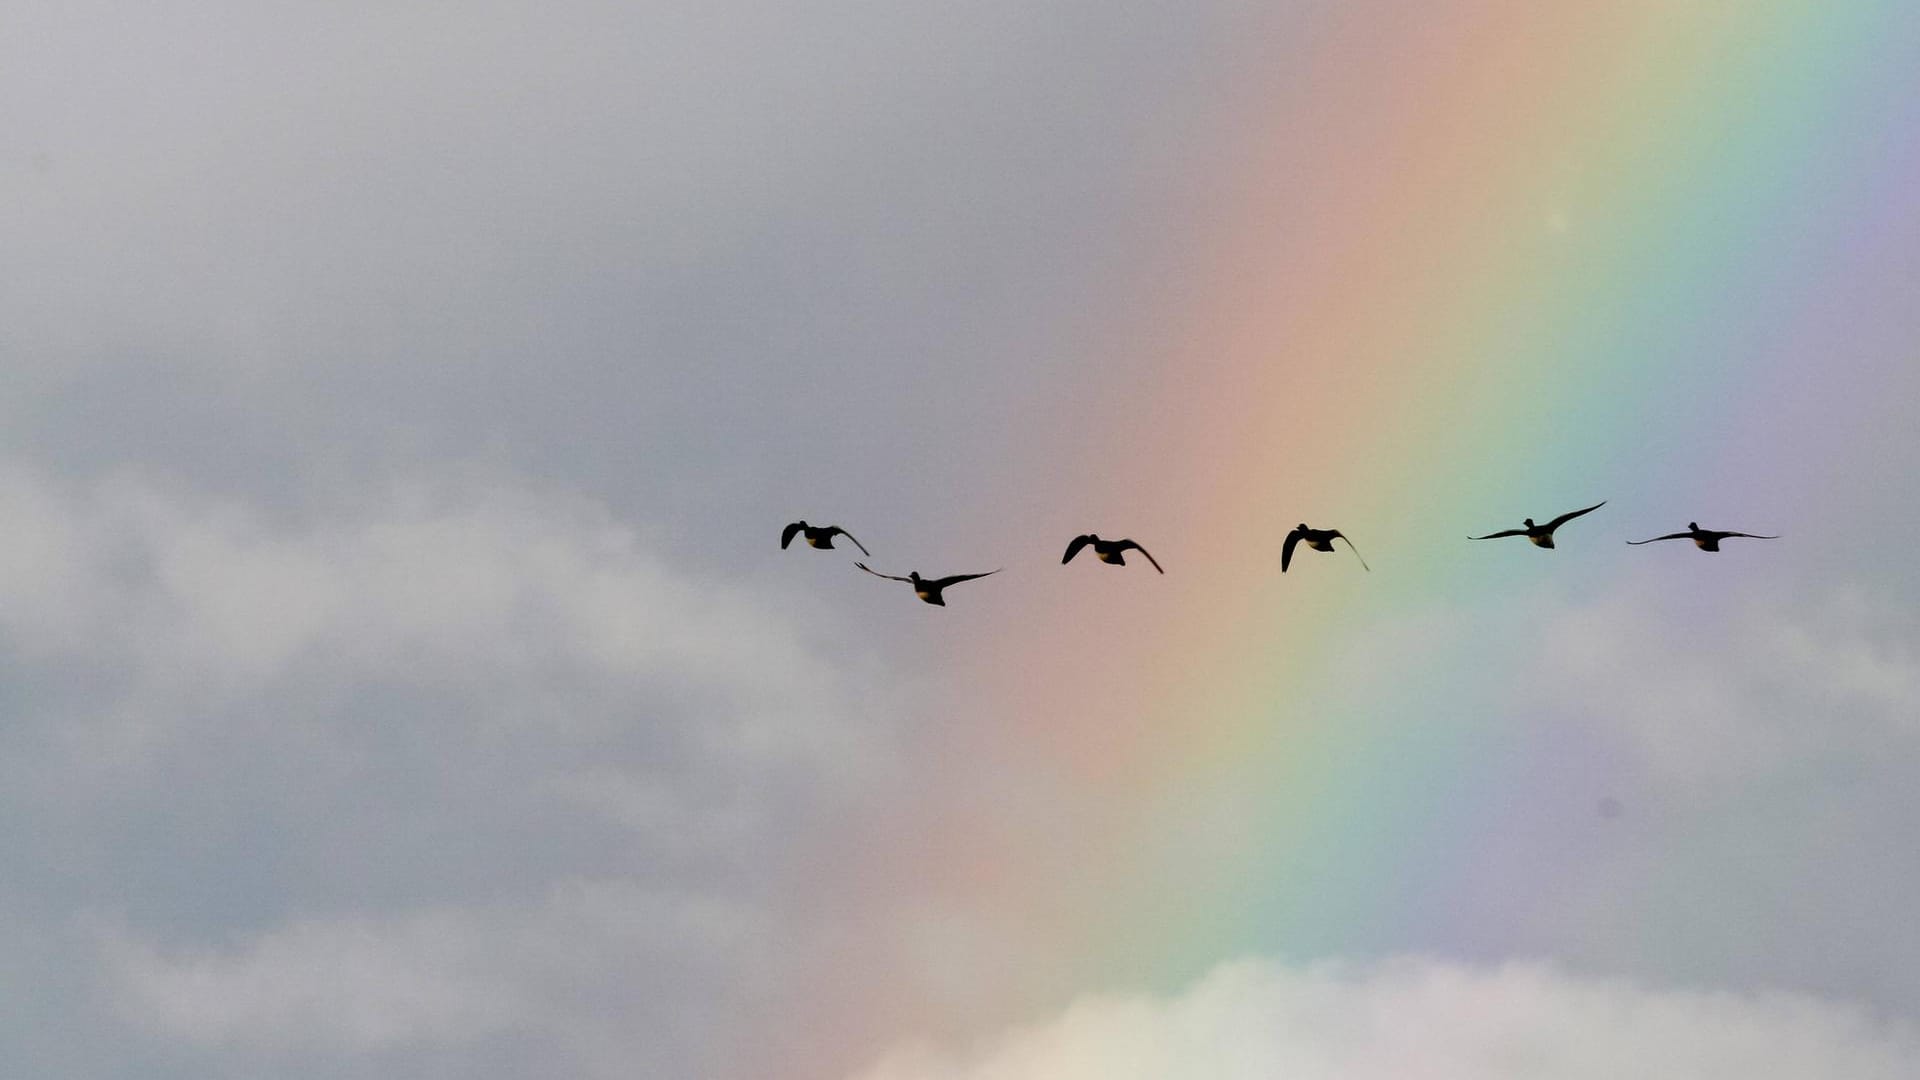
pixel 928 589
pixel 1107 551
pixel 1318 540
pixel 1704 539
pixel 820 536
pixel 1541 535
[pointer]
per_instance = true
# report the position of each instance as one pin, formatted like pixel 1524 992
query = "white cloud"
pixel 1256 1020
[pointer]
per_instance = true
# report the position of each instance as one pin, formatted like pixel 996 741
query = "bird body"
pixel 818 536
pixel 1107 551
pixel 1541 535
pixel 1704 539
pixel 1318 540
pixel 927 589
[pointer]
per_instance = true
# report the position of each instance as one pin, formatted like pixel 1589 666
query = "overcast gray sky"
pixel 402 402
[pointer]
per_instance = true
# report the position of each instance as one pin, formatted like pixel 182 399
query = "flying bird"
pixel 927 589
pixel 1704 539
pixel 1107 551
pixel 1541 535
pixel 820 537
pixel 1318 540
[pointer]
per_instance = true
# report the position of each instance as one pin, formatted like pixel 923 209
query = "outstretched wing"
pixel 958 578
pixel 838 531
pixel 876 573
pixel 1074 548
pixel 1286 549
pixel 1750 536
pixel 1669 536
pixel 787 534
pixel 1570 515
pixel 1493 536
pixel 1128 545
pixel 1355 550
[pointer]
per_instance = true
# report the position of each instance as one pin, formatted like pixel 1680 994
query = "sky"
pixel 400 676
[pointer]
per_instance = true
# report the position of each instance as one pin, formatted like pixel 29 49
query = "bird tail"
pixel 1356 554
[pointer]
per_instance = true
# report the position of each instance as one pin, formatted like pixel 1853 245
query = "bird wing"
pixel 1126 545
pixel 958 578
pixel 1074 548
pixel 787 534
pixel 1355 550
pixel 876 573
pixel 1493 536
pixel 1750 536
pixel 1669 536
pixel 1286 549
pixel 838 531
pixel 1570 515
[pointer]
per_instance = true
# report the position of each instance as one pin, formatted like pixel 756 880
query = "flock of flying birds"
pixel 931 590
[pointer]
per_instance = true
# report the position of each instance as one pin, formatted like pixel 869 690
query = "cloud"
pixel 354 984
pixel 409 772
pixel 1749 692
pixel 1688 775
pixel 542 607
pixel 1260 1020
pixel 445 975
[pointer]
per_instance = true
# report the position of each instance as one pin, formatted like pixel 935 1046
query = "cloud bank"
pixel 414 772
pixel 1261 1020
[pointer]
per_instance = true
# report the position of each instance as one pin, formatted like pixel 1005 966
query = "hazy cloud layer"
pixel 1257 1020
pixel 1648 777
pixel 1764 687
pixel 581 970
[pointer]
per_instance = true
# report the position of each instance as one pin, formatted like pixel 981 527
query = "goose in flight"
pixel 820 537
pixel 1704 539
pixel 1318 540
pixel 927 589
pixel 1107 551
pixel 1541 535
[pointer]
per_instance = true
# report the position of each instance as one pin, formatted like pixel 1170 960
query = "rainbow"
pixel 1500 261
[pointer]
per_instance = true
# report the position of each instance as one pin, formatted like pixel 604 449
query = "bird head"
pixel 1302 527
pixel 913 576
pixel 1693 525
pixel 1528 523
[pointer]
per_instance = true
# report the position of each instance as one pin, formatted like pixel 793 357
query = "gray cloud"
pixel 584 966
pixel 1765 688
pixel 450 764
